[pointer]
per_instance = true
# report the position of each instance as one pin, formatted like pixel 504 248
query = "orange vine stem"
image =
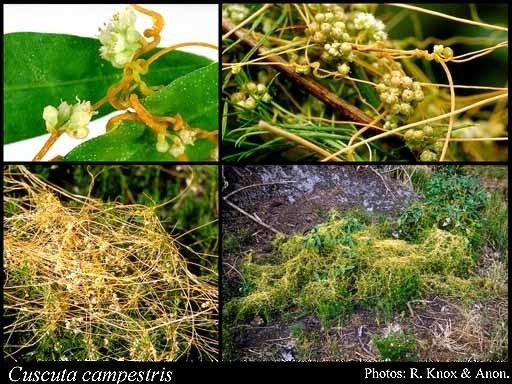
pixel 46 147
pixel 158 25
pixel 146 116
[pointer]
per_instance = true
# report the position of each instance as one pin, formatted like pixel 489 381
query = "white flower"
pixel 261 88
pixel 50 116
pixel 343 69
pixel 406 82
pixel 346 47
pixel 441 50
pixel 373 27
pixel 418 95
pixel 187 136
pixel 407 95
pixel 55 117
pixel 266 98
pixel 381 87
pixel 438 49
pixel 363 20
pixel 120 40
pixel 80 116
pixel 236 12
pixel 70 119
pixel 250 103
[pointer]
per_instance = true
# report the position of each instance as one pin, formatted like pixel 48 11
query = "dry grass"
pixel 96 281
pixel 461 333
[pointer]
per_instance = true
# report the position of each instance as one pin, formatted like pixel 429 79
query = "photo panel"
pixel 364 82
pixel 111 82
pixel 110 263
pixel 369 263
pixel 227 190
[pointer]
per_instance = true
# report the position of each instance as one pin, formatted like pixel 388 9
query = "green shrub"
pixel 495 224
pixel 297 332
pixel 453 201
pixel 396 347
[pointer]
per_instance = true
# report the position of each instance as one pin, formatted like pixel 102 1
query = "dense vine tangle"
pixel 121 96
pixel 349 45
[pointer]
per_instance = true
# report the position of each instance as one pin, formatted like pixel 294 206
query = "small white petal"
pixel 50 116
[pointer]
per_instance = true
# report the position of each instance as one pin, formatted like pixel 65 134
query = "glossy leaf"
pixel 42 69
pixel 194 96
pixel 133 141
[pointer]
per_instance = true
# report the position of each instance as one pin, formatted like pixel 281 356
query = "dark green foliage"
pixel 396 347
pixel 454 202
pixel 410 222
pixel 192 96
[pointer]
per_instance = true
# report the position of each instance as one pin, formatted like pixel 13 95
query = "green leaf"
pixel 42 69
pixel 194 96
pixel 133 141
pixel 172 65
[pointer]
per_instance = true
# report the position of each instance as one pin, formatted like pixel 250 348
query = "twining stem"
pixel 452 109
pixel 237 27
pixel 444 15
pixel 46 147
pixel 113 91
pixel 308 84
pixel 158 25
pixel 146 116
pixel 112 123
pixel 360 132
pixel 164 51
pixel 411 125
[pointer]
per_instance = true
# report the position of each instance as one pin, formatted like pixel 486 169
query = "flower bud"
pixel 161 143
pixel 120 40
pixel 428 156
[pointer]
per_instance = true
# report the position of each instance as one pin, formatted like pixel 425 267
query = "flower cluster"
pixel 372 29
pixel 399 94
pixel 424 139
pixel 251 94
pixel 120 40
pixel 336 30
pixel 72 119
pixel 332 22
pixel 235 12
pixel 445 53
pixel 179 140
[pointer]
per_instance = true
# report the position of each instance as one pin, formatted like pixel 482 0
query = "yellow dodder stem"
pixel 164 51
pixel 452 109
pixel 46 147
